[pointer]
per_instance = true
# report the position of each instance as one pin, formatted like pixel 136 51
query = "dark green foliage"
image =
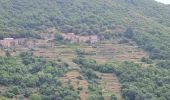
pixel 146 60
pixel 27 58
pixel 113 97
pixel 143 83
pixel 129 33
pixel 80 52
pixel 27 93
pixel 89 74
pixel 157 44
pixel 87 69
pixel 15 90
pixel 58 37
pixel 164 64
pixel 91 64
pixel 79 77
pixel 7 53
pixel 9 95
pixel 28 77
pixel 80 88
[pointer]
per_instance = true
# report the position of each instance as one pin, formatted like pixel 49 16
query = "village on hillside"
pixel 91 44
pixel 47 36
pixel 91 47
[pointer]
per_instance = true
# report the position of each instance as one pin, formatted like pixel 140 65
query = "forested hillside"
pixel 120 26
pixel 149 20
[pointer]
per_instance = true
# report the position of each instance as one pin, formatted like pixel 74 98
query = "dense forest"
pixel 145 22
pixel 31 77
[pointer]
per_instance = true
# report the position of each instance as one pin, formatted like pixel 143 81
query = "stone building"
pixel 7 42
pixel 80 39
pixel 10 42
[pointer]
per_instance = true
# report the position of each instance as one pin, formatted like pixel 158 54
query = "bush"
pixel 9 95
pixel 15 90
pixel 79 77
pixel 80 88
pixel 58 37
pixel 113 97
pixel 34 97
pixel 146 60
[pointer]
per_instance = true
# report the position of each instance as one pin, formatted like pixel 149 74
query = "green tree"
pixel 113 97
pixel 7 53
pixel 15 90
pixel 58 37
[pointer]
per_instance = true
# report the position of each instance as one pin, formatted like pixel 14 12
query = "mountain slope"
pixel 148 20
pixel 82 16
pixel 145 22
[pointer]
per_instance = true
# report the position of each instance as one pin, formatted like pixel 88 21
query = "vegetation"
pixel 35 97
pixel 58 37
pixel 3 98
pixel 95 92
pixel 92 64
pixel 143 21
pixel 138 83
pixel 27 74
pixel 104 18
pixel 113 97
pixel 88 69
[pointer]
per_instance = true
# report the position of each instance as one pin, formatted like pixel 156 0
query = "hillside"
pixel 106 18
pixel 82 16
pixel 84 50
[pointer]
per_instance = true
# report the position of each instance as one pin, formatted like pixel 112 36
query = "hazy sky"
pixel 164 1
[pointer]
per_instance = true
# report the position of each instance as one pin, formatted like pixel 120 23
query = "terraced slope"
pixel 105 51
pixel 113 51
pixel 79 85
pixel 110 84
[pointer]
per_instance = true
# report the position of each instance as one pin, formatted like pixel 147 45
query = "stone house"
pixel 80 39
pixel 9 42
pixel 93 39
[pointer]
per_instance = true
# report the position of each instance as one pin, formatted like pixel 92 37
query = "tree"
pixel 7 53
pixel 58 37
pixel 129 33
pixel 113 97
pixel 15 90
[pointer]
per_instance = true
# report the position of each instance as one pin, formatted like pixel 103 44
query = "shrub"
pixel 34 97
